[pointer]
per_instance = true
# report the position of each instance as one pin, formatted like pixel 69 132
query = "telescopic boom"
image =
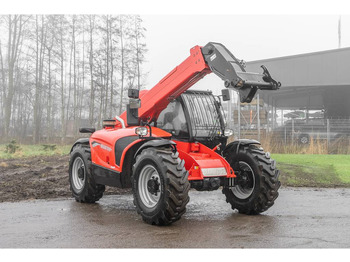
pixel 213 57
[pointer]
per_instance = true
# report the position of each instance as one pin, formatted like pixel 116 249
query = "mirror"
pixel 133 93
pixel 225 94
pixel 134 103
pixel 132 109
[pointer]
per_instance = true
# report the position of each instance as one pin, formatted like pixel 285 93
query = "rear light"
pixel 141 131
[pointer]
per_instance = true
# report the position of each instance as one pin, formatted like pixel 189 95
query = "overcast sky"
pixel 249 37
pixel 251 30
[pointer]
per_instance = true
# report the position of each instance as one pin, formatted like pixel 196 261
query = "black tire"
pixel 258 192
pixel 84 189
pixel 168 189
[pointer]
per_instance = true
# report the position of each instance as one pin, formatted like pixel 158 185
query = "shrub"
pixel 12 147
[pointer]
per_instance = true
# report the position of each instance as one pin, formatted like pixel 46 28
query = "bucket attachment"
pixel 221 61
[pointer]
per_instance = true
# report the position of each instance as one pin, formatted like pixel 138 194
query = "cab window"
pixel 172 119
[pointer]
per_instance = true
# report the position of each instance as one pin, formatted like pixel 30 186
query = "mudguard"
pixel 83 140
pixel 240 142
pixel 156 143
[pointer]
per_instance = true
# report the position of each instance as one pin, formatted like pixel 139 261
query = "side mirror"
pixel 133 93
pixel 132 109
pixel 134 100
pixel 225 94
pixel 87 130
pixel 134 103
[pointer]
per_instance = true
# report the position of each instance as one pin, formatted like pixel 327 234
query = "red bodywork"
pixel 102 144
pixel 200 161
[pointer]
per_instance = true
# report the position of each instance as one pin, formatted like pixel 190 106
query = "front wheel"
pixel 160 186
pixel 255 188
pixel 82 184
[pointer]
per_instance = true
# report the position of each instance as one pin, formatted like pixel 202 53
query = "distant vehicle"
pixel 315 129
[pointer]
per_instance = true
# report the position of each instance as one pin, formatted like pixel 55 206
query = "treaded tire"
pixel 174 186
pixel 90 191
pixel 266 183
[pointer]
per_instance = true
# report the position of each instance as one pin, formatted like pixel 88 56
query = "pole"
pixel 232 96
pixel 282 117
pixel 328 134
pixel 258 114
pixel 273 114
pixel 339 32
pixel 239 117
pixel 292 130
pixel 285 135
pixel 229 110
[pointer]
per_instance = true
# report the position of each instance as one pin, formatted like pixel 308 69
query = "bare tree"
pixel 138 35
pixel 60 71
pixel 40 54
pixel 122 61
pixel 15 30
pixel 91 68
pixel 62 23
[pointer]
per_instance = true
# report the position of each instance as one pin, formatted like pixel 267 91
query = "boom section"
pixel 231 70
pixel 173 85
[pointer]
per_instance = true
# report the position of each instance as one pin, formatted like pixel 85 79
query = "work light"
pixel 141 131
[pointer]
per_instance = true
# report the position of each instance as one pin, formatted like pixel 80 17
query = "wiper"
pixel 214 129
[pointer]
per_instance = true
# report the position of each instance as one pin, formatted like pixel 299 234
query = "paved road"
pixel 300 218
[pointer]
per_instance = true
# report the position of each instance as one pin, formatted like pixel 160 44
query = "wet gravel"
pixel 300 218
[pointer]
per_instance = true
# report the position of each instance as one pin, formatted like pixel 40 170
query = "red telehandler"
pixel 170 140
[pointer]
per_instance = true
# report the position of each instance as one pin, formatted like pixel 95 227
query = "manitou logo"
pixel 95 144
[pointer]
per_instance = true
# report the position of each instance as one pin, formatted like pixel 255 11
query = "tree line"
pixel 60 72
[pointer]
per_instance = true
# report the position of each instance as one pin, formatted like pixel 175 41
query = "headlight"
pixel 141 131
pixel 228 132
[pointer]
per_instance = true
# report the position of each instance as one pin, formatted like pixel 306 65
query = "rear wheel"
pixel 82 184
pixel 160 186
pixel 255 188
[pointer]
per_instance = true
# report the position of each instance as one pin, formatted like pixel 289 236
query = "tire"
pixel 160 186
pixel 82 184
pixel 304 139
pixel 258 191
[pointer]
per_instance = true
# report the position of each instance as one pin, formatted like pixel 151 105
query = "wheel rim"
pixel 245 187
pixel 78 174
pixel 149 186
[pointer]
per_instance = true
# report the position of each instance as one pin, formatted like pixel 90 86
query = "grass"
pixel 319 170
pixel 314 170
pixel 33 150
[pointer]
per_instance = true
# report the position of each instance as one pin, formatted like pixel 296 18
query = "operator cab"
pixel 194 116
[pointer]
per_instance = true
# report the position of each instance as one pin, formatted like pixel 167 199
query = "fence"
pixel 321 135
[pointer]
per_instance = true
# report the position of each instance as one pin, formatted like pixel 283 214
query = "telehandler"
pixel 170 140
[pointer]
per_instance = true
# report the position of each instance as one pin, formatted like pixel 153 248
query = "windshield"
pixel 203 111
